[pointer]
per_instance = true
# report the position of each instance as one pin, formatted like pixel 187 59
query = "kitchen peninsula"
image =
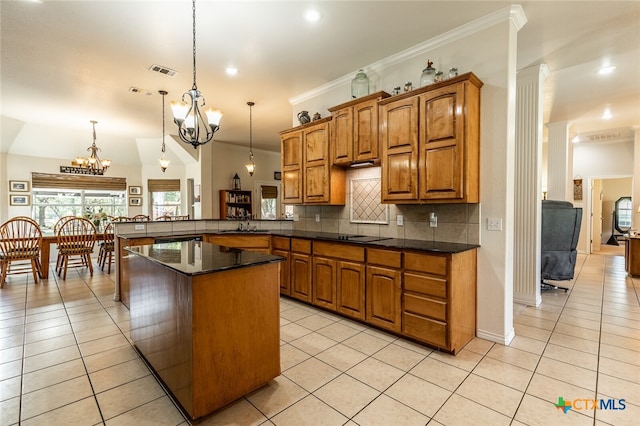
pixel 206 319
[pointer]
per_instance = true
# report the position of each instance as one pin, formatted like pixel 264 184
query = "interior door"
pixel 596 215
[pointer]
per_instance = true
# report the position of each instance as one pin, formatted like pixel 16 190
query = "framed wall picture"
pixel 135 201
pixel 19 200
pixel 18 186
pixel 135 190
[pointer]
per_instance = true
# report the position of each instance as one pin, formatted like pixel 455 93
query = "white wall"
pixel 490 53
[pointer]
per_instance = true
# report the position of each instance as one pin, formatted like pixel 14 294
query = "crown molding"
pixel 513 13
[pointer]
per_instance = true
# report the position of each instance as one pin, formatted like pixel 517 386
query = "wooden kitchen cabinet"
pixel 324 282
pixel 260 243
pixel 123 261
pixel 354 130
pixel 301 267
pixel 281 246
pixel 316 181
pixel 439 298
pixel 430 141
pixel 383 289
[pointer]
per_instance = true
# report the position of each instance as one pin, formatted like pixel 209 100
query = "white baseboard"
pixel 493 337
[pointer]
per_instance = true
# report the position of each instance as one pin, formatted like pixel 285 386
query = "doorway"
pixel 604 194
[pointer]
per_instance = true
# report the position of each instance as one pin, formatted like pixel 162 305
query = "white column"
pixel 559 162
pixel 528 184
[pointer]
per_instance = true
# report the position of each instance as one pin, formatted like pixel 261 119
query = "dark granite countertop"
pixel 197 257
pixel 367 240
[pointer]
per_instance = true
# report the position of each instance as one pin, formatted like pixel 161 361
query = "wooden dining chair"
pixel 56 228
pixel 140 218
pixel 106 248
pixel 20 240
pixel 76 239
pixel 165 217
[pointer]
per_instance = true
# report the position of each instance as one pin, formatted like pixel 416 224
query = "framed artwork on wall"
pixel 19 200
pixel 135 190
pixel 135 201
pixel 18 186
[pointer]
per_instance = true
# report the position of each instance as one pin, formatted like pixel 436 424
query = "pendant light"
pixel 251 165
pixel 164 163
pixel 193 127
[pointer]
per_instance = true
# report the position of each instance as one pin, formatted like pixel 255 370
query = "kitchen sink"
pixel 244 231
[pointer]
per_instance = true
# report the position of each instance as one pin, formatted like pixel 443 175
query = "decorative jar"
pixel 428 74
pixel 360 85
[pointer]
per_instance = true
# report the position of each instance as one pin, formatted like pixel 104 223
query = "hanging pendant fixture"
pixel 195 127
pixel 251 165
pixel 93 164
pixel 164 163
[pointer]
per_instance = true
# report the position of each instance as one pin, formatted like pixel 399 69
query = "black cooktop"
pixel 351 238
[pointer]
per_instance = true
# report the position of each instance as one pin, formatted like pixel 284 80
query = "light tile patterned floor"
pixel 65 358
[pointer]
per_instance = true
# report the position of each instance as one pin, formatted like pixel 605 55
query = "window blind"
pixel 163 185
pixel 70 181
pixel 269 191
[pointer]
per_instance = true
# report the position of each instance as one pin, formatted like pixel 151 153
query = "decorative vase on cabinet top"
pixel 303 117
pixel 428 74
pixel 360 85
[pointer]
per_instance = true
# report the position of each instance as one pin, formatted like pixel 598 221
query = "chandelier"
pixel 251 165
pixel 164 163
pixel 93 164
pixel 193 127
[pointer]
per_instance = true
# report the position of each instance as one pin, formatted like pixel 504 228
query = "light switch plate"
pixel 494 224
pixel 400 220
pixel 317 217
pixel 296 217
pixel 139 227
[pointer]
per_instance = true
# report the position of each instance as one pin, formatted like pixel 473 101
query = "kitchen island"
pixel 206 319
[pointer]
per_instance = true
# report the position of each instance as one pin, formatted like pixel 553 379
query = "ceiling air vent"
pixel 604 137
pixel 140 91
pixel 162 70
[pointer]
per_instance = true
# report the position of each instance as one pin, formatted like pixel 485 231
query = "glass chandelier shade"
pixel 251 165
pixel 93 164
pixel 164 163
pixel 196 125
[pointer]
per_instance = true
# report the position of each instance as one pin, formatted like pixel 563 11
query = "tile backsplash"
pixel 457 223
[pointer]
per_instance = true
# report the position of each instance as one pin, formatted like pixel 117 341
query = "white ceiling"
pixel 65 63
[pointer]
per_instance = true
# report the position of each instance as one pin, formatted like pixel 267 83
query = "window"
pixel 268 202
pixel 623 214
pixel 165 197
pixel 49 205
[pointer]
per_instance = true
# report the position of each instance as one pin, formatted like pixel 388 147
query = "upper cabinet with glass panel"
pixel 623 213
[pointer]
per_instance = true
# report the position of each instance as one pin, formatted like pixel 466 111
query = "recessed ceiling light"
pixel 312 15
pixel 606 69
pixel 607 114
pixel 232 71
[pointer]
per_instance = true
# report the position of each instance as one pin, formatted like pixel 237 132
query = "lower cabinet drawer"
pixel 425 329
pixel 416 304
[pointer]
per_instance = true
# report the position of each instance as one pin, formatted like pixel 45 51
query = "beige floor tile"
pixel 537 412
pixel 465 360
pixel 439 373
pixel 624 322
pixel 479 346
pixel 620 341
pixel 57 313
pixel 399 357
pixel 534 312
pixel 461 411
pixel 47 333
pixel 418 394
pixel 630 333
pixel 506 374
pixel 346 394
pixel 567 372
pixel 528 344
pixel 315 322
pixel 549 389
pixel 290 356
pixel 103 344
pixel 117 375
pixel 366 343
pixel 10 369
pixel 530 321
pixel 415 347
pixel 240 412
pixel 47 323
pixel 626 415
pixel 376 374
pixel 517 357
pixel 311 374
pixel 97 333
pixel 10 388
pixel 47 359
pixel 341 357
pixel 128 396
pixel 500 398
pixel 572 356
pixel 381 334
pixel 11 354
pixel 313 343
pixel 583 307
pixel 580 322
pixel 576 343
pixel 621 370
pixel 276 395
pixel 56 396
pixel 10 411
pixel 309 411
pixel 83 412
pixel 92 324
pixel 110 358
pixel 384 411
pixel 581 332
pixel 160 411
pixel 292 331
pixel 338 331
pixel 576 313
pixel 52 375
pixel 11 341
pixel 47 345
pixel 620 354
pixel 295 314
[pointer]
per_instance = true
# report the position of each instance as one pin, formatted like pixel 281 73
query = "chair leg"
pixel 110 258
pixel 547 286
pixel 65 262
pixel 5 269
pixel 88 259
pixel 34 270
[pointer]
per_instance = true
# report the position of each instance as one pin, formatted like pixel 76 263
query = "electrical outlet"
pixel 317 217
pixel 400 220
pixel 139 227
pixel 433 220
pixel 296 217
pixel 494 224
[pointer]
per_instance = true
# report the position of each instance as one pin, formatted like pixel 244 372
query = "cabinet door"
pixel 285 283
pixel 441 166
pixel 383 297
pixel 399 139
pixel 350 289
pixel 342 136
pixel 291 152
pixel 301 276
pixel 316 164
pixel 324 282
pixel 365 131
